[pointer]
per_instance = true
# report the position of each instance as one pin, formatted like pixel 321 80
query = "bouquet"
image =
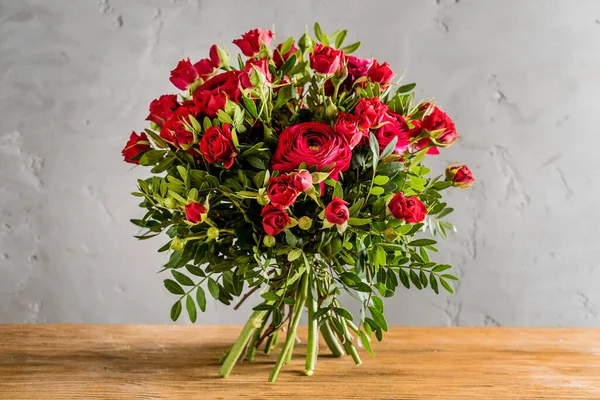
pixel 295 173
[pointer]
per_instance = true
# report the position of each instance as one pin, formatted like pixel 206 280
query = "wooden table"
pixel 179 362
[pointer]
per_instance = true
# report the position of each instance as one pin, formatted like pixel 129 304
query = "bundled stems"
pixel 313 333
pixel 238 347
pixel 334 345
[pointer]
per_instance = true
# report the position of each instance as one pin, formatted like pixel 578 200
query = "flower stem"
pixel 272 342
pixel 223 357
pixel 352 351
pixel 312 348
pixel 252 346
pixel 336 348
pixel 291 335
pixel 238 347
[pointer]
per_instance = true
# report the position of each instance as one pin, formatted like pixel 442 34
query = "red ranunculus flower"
pixel 326 60
pixel 275 219
pixel 314 143
pixel 439 120
pixel 282 191
pixel 250 42
pixel 421 143
pixel 185 73
pixel 381 74
pixel 460 176
pixel 370 112
pixel 347 125
pixel 162 108
pixel 194 212
pixel 393 125
pixel 303 181
pixel 212 95
pixel 337 211
pixel 409 209
pixel 255 66
pixel 136 145
pixel 279 58
pixel 216 145
pixel 174 130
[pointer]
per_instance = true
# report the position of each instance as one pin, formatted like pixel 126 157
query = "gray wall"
pixel 520 78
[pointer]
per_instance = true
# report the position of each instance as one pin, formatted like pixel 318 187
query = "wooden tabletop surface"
pixel 179 362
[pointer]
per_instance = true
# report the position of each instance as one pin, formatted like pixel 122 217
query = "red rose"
pixel 303 181
pixel 438 120
pixel 162 108
pixel 409 209
pixel 314 143
pixel 381 74
pixel 370 112
pixel 337 211
pixel 279 58
pixel 185 73
pixel 393 125
pixel 195 212
pixel 216 145
pixel 174 130
pixel 259 67
pixel 347 126
pixel 275 219
pixel 460 176
pixel 326 60
pixel 282 191
pixel 136 145
pixel 250 42
pixel 423 142
pixel 213 94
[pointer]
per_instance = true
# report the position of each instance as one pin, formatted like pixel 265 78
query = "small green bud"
pixel 269 241
pixel 305 42
pixel 331 111
pixel 263 198
pixel 305 223
pixel 212 233
pixel 176 244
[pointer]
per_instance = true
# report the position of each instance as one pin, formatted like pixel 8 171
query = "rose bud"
pixel 195 212
pixel 218 57
pixel 279 58
pixel 256 73
pixel 443 132
pixel 185 73
pixel 381 74
pixel 136 145
pixel 303 180
pixel 326 60
pixel 162 108
pixel 216 145
pixel 337 211
pixel 275 219
pixel 305 223
pixel 409 209
pixel 212 233
pixel 460 176
pixel 282 191
pixel 250 42
pixel 347 125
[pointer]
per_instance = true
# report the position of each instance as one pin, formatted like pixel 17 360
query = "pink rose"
pixel 409 209
pixel 260 67
pixel 326 60
pixel 282 191
pixel 250 42
pixel 347 125
pixel 303 181
pixel 216 145
pixel 136 145
pixel 275 219
pixel 337 211
pixel 314 143
pixel 162 108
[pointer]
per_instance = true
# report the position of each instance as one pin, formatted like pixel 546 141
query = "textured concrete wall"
pixel 521 79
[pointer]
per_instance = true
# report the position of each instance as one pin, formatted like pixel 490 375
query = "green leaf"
pixel 351 48
pixel 381 179
pixel 270 296
pixel 414 278
pixel 256 162
pixel 152 157
pixel 213 288
pixel 440 268
pixel 366 342
pixel 358 221
pixel 433 283
pixel 294 254
pixel 320 35
pixel 285 94
pixel 404 278
pixel 374 145
pixel 287 45
pixel 201 299
pixel 389 149
pixel 339 39
pixel 377 303
pixel 445 212
pixel 406 88
pixel 343 313
pixel 442 185
pixel 446 286
pixel 176 311
pixel 250 106
pixel 380 256
pixel 377 190
pixel 379 318
pixel 183 279
pixel 173 286
pixel 422 242
pixel 449 276
pixel 191 308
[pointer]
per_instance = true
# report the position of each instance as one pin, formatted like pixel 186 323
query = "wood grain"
pixel 178 362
